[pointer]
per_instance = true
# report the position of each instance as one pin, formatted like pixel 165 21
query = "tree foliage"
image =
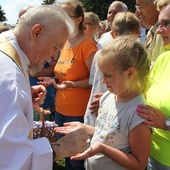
pixel 2 15
pixel 100 7
pixel 47 2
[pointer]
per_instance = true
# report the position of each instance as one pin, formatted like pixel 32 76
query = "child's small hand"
pixel 91 151
pixel 69 127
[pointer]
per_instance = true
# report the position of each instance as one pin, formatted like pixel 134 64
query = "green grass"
pixel 59 165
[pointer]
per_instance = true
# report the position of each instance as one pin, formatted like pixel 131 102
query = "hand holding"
pixel 94 106
pixel 45 81
pixel 38 94
pixel 64 85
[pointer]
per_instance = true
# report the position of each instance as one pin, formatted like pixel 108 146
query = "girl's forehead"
pixel 107 65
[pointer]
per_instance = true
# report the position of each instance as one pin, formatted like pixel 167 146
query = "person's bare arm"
pixel 72 126
pixel 136 159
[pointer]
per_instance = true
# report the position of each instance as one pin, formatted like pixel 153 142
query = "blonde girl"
pixel 120 139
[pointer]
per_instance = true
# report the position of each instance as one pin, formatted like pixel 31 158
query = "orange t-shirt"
pixel 71 66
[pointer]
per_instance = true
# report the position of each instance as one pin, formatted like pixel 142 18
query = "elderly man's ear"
pixel 37 31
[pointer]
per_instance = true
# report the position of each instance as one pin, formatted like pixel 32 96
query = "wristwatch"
pixel 167 124
pixel 74 84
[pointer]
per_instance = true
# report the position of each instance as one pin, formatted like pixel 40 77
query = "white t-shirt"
pixel 105 39
pixel 142 34
pixel 95 80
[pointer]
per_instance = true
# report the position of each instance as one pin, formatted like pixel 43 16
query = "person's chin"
pixel 34 70
pixel 166 41
pixel 110 89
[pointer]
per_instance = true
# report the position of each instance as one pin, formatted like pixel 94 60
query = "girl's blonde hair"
pixel 125 23
pixel 124 53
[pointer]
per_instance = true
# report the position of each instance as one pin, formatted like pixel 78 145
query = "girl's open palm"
pixel 69 127
pixel 91 151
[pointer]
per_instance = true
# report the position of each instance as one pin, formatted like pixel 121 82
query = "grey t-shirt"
pixel 113 124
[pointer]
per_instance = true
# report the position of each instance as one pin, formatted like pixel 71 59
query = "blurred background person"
pixel 114 8
pixel 103 28
pixel 148 13
pixel 91 26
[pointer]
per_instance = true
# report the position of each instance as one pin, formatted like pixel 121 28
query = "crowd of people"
pixel 105 83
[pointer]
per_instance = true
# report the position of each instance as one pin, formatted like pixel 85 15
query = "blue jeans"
pixel 155 165
pixel 60 120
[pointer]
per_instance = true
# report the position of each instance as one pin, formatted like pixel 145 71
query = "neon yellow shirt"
pixel 158 96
